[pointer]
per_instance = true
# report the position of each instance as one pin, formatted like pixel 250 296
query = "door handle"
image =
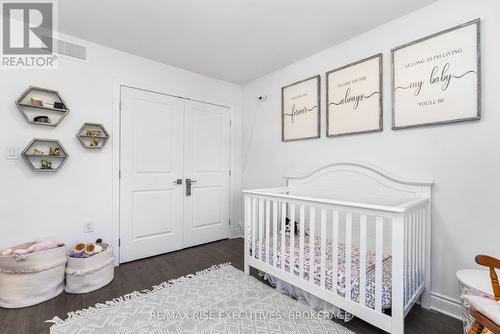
pixel 178 181
pixel 188 186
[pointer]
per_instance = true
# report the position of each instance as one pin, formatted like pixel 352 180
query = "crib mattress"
pixel 341 288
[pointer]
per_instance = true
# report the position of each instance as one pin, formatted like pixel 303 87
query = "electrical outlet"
pixel 88 227
pixel 11 153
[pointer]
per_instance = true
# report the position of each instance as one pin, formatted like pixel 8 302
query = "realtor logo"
pixel 27 34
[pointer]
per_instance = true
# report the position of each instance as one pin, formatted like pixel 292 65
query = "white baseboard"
pixel 446 305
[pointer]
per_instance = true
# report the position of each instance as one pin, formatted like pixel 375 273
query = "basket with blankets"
pixel 31 273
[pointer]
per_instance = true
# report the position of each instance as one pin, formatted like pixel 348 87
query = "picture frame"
pixel 443 73
pixel 300 110
pixel 354 98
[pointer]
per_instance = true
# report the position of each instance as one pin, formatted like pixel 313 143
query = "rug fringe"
pixel 88 312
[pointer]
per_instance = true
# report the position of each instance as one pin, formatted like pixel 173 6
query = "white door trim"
pixel 116 147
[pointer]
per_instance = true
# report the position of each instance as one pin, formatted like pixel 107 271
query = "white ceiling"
pixel 232 40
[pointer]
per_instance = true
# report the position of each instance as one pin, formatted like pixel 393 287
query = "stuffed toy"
pixel 7 252
pixel 288 228
pixel 84 250
pixel 38 247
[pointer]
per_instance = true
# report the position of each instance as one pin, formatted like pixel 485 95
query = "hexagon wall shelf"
pixel 42 106
pixel 45 155
pixel 93 135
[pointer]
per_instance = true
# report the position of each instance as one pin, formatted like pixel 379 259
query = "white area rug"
pixel 221 299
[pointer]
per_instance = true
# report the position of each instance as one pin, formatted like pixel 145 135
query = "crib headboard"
pixel 357 182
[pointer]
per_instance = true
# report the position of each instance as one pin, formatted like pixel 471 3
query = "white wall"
pixel 36 205
pixel 462 159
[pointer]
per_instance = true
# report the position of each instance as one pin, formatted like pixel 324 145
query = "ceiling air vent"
pixel 71 50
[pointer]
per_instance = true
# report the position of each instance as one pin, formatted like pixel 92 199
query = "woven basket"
pixel 468 320
pixel 32 278
pixel 88 274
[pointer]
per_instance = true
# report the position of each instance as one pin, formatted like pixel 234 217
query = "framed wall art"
pixel 436 79
pixel 354 98
pixel 300 110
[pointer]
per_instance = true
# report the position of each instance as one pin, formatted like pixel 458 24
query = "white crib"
pixel 380 218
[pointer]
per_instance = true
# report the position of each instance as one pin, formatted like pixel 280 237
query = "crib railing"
pixel 362 251
pixel 414 254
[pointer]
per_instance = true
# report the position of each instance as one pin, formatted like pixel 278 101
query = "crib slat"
pixel 425 256
pixel 417 247
pixel 414 252
pixel 405 260
pixel 335 251
pixel 362 262
pixel 323 248
pixel 247 232
pixel 248 223
pixel 379 248
pixel 283 219
pixel 275 233
pixel 425 232
pixel 409 257
pixel 410 254
pixel 312 223
pixel 254 224
pixel 421 247
pixel 292 238
pixel 268 231
pixel 408 265
pixel 261 228
pixel 348 255
pixel 301 241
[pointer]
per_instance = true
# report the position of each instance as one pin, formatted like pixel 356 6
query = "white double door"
pixel 174 189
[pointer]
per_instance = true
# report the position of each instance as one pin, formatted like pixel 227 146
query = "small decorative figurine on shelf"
pixel 46 164
pixel 36 102
pixel 93 133
pixel 37 151
pixel 54 150
pixel 59 105
pixel 41 119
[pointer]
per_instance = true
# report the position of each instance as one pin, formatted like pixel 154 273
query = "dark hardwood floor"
pixel 143 274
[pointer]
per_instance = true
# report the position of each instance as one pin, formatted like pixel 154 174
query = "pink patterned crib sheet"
pixel 341 288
